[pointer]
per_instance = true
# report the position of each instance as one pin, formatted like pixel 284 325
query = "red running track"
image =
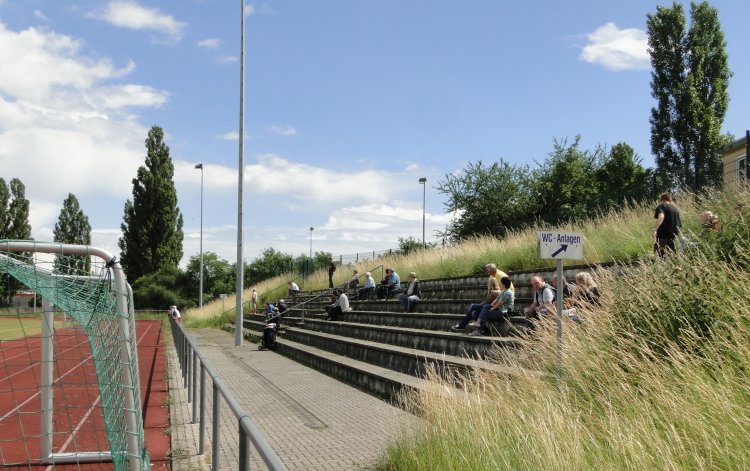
pixel 77 412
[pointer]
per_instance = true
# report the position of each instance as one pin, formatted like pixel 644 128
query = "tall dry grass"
pixel 615 236
pixel 655 379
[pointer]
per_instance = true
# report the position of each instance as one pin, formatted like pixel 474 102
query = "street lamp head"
pixel 200 166
pixel 311 228
pixel 423 180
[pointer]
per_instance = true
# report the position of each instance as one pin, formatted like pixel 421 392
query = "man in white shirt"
pixel 174 313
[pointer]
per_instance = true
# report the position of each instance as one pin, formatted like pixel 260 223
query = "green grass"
pixel 655 380
pixel 23 327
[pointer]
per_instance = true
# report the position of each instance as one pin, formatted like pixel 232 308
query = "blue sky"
pixel 348 104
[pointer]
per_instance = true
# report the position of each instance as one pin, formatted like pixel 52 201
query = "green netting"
pixel 91 300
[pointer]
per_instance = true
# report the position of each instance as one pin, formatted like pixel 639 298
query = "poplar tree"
pixel 14 224
pixel 72 227
pixel 689 81
pixel 14 211
pixel 152 225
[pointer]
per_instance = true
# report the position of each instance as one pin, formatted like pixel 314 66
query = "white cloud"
pixel 282 130
pixel 617 49
pixel 209 43
pixel 130 14
pixel 229 136
pixel 39 14
pixel 298 181
pixel 227 60
pixel 66 125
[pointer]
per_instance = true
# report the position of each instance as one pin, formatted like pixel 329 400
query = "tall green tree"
pixel 487 199
pixel 72 228
pixel 152 225
pixel 14 224
pixel 14 211
pixel 622 178
pixel 565 185
pixel 689 81
pixel 218 276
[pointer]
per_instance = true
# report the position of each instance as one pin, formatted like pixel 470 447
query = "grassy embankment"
pixel 621 236
pixel 657 379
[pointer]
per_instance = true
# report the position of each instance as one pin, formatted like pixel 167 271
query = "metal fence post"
pixel 215 429
pixel 244 459
pixel 190 361
pixel 202 433
pixel 195 402
pixel 184 359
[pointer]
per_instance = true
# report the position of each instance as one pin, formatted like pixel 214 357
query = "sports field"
pixel 77 409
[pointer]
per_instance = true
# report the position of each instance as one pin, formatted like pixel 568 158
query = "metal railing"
pixel 328 292
pixel 189 357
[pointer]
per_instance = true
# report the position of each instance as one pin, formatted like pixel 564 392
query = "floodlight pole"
pixel 423 182
pixel 200 285
pixel 240 265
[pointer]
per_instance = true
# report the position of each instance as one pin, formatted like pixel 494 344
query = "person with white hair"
pixel 413 294
pixel 369 286
pixel 174 313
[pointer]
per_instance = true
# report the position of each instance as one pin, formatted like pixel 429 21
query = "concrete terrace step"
pixel 374 379
pixel 450 343
pixel 404 360
pixel 441 306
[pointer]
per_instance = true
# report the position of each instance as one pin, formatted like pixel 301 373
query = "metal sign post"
pixel 559 246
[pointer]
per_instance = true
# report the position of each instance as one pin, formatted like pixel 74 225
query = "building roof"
pixel 736 145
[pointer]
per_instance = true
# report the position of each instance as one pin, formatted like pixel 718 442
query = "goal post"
pixel 101 306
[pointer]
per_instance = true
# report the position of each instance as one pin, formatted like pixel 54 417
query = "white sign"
pixel 222 296
pixel 560 245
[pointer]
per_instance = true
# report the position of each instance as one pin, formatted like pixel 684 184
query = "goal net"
pixel 69 384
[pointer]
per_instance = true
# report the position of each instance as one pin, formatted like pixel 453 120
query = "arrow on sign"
pixel 563 248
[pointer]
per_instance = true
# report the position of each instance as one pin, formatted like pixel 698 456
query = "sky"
pixel 348 103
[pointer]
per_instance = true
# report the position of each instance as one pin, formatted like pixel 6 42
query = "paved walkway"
pixel 313 421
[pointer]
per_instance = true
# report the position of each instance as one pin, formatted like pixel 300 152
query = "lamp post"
pixel 423 182
pixel 311 259
pixel 200 285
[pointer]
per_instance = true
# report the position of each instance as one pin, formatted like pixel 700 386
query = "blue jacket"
pixel 395 280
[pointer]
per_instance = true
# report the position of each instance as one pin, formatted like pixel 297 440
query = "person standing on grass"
pixel 331 270
pixel 254 300
pixel 667 227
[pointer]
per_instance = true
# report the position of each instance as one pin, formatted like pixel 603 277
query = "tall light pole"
pixel 200 285
pixel 311 259
pixel 423 182
pixel 241 170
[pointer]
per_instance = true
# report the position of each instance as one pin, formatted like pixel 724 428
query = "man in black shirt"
pixel 667 226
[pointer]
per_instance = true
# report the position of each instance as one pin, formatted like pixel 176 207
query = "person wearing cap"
pixel 281 306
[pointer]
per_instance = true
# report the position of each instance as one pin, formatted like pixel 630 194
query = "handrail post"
pixel 202 433
pixel 190 360
pixel 195 402
pixel 244 458
pixel 215 430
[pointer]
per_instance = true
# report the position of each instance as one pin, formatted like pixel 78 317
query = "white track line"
pixel 91 409
pixel 34 364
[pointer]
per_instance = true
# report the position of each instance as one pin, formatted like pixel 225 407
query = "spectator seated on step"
pixel 544 298
pixel 293 288
pixel 499 308
pixel 390 285
pixel 274 316
pixel 368 288
pixel 493 290
pixel 353 283
pixel 586 297
pixel 281 306
pixel 569 289
pixel 413 294
pixel 341 305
